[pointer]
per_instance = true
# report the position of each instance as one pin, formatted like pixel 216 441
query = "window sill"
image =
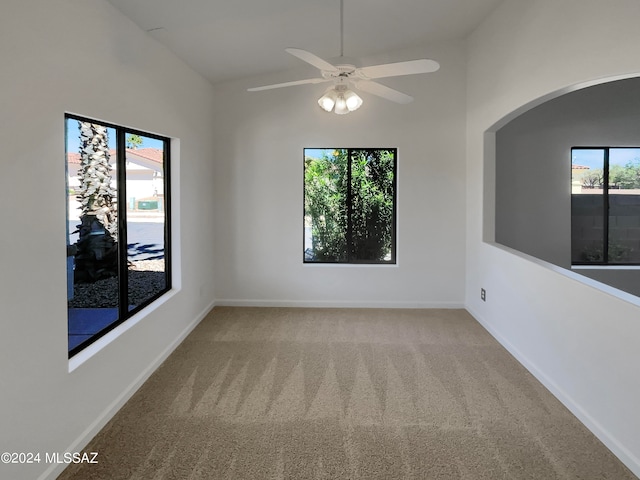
pixel 87 353
pixel 605 267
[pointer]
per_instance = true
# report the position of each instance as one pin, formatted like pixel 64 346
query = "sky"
pixel 320 152
pixel 317 152
pixel 594 158
pixel 73 138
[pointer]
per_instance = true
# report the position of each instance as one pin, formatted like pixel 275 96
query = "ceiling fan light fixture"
pixel 328 100
pixel 352 100
pixel 340 100
pixel 341 106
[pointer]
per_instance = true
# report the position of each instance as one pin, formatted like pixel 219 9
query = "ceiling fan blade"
pixel 383 91
pixel 312 59
pixel 400 68
pixel 289 84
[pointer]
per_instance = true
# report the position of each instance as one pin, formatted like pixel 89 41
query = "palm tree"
pixel 97 247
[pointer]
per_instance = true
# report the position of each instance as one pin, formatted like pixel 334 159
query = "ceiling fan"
pixel 339 98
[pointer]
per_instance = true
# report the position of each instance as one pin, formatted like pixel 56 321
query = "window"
pixel 350 205
pixel 118 226
pixel 605 206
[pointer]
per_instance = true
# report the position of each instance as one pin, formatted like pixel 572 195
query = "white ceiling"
pixel 231 39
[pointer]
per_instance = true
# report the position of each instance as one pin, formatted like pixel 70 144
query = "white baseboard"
pixel 336 304
pixel 618 449
pixel 85 437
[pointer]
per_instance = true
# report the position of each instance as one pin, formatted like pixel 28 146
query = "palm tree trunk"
pixel 97 246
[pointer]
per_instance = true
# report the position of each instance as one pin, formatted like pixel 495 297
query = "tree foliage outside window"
pixel 349 205
pixel 621 177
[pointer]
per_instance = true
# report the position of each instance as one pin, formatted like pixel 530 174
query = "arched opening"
pixel 531 206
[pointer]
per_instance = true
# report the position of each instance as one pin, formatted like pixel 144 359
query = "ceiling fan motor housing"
pixel 341 71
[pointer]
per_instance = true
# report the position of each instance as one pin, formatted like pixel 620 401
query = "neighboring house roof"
pixel 147 157
pixel 579 167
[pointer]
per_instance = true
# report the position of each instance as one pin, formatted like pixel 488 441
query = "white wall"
pixel 82 56
pixel 581 342
pixel 259 185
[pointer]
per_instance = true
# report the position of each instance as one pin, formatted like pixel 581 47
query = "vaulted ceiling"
pixel 232 39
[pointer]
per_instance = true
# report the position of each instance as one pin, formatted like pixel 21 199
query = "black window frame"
pixel 349 200
pixel 124 312
pixel 605 209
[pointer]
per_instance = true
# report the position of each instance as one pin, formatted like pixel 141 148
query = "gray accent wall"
pixel 533 170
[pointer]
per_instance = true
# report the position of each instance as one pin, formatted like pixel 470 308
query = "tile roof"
pixel 152 154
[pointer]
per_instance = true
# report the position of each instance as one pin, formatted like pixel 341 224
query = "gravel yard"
pixel 146 278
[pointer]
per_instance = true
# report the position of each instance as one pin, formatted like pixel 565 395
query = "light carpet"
pixel 297 393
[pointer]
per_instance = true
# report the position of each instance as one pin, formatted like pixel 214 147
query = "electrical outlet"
pixel 483 294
